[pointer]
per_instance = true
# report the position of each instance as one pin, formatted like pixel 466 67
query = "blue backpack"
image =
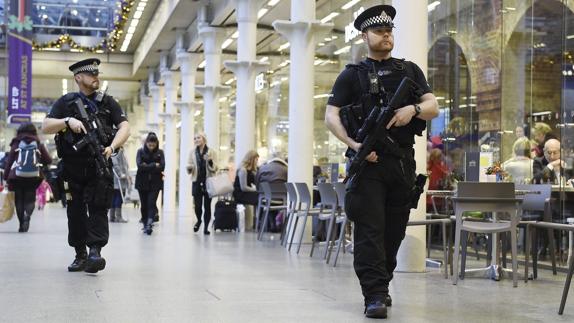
pixel 27 164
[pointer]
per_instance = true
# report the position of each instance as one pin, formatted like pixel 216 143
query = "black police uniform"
pixel 86 192
pixel 380 202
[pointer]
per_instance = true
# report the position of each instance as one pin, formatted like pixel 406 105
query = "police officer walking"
pixel 89 184
pixel 380 199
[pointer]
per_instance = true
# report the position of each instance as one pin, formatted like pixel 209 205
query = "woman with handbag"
pixel 244 189
pixel 149 179
pixel 201 165
pixel 23 171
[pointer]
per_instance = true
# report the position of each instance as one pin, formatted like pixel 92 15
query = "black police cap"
pixel 377 16
pixel 89 65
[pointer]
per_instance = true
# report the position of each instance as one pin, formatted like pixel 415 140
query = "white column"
pixel 211 90
pixel 187 107
pixel 411 43
pixel 156 92
pixel 171 81
pixel 245 69
pixel 302 31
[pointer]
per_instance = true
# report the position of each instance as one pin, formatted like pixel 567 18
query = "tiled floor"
pixel 176 275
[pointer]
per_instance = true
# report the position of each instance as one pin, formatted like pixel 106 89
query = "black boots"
pixel 80 261
pixel 95 262
pixel 197 226
pixel 148 227
pixel 376 309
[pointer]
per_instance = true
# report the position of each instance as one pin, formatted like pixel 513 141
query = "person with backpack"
pixel 150 161
pixel 22 171
pixel 378 200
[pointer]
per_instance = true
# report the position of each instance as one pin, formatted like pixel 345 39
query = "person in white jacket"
pixel 201 165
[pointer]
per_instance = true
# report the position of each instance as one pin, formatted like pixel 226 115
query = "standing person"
pixel 41 192
pixel 87 192
pixel 22 171
pixel 122 182
pixel 149 179
pixel 201 165
pixel 379 201
pixel 244 189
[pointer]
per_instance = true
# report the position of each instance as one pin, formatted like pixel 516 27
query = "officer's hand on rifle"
pixel 108 151
pixel 76 125
pixel 372 157
pixel 402 116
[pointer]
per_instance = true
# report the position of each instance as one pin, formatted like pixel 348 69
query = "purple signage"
pixel 20 63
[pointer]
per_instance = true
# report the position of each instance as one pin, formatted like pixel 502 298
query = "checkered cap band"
pixel 86 68
pixel 382 20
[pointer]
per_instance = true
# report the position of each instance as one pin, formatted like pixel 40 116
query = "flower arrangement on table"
pixel 497 170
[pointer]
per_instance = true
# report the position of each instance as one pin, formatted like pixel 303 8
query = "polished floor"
pixel 176 275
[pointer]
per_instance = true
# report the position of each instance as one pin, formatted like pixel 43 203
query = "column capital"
pixel 168 116
pixel 212 38
pixel 250 66
pixel 188 62
pixel 290 29
pixel 187 105
pixel 216 90
pixel 155 88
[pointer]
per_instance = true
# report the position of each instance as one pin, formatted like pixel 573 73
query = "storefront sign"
pixel 350 31
pixel 20 67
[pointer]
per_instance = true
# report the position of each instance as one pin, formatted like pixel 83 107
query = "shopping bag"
pixel 218 185
pixel 6 205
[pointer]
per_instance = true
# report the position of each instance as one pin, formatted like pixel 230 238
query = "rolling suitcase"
pixel 225 216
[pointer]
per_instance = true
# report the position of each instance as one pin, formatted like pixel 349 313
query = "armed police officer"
pixel 84 125
pixel 379 198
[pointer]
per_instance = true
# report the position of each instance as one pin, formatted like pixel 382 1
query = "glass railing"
pixel 75 19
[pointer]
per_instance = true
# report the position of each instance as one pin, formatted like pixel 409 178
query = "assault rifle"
pixel 93 139
pixel 375 129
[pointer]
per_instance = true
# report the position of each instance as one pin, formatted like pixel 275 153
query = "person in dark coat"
pixel 25 187
pixel 149 178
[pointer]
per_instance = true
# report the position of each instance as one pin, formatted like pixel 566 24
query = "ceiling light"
pixel 271 3
pixel 202 64
pixel 318 61
pixel 349 4
pixel 262 12
pixel 231 80
pixel 342 50
pixel 433 6
pixel 329 17
pixel 321 44
pixel 131 30
pixel 226 43
pixel 284 46
pixel 264 59
pixel 235 34
pixel 138 14
pixel 134 22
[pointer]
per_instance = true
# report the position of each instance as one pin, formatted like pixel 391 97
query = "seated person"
pixel 550 168
pixel 520 167
pixel 244 189
pixel 274 171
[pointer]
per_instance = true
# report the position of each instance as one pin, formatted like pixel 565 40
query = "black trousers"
pixel 202 204
pixel 148 204
pixel 24 202
pixel 379 206
pixel 87 215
